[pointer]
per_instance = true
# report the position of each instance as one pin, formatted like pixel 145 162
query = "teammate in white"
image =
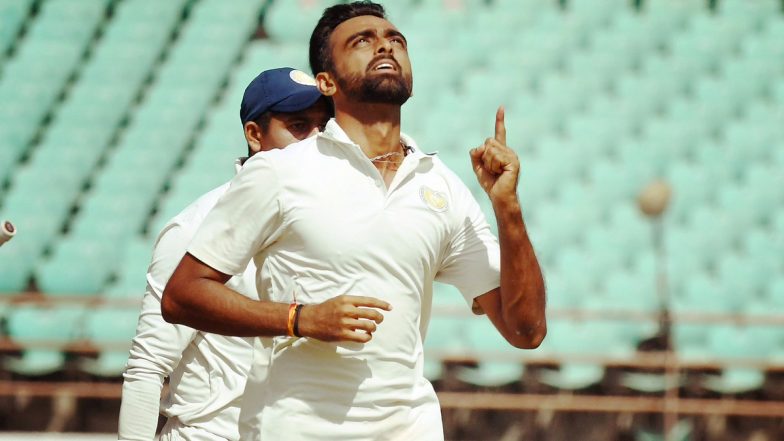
pixel 207 372
pixel 359 209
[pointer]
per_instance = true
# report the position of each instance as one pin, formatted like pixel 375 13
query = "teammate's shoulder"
pixel 196 211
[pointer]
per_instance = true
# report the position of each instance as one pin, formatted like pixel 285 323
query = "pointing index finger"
pixel 500 127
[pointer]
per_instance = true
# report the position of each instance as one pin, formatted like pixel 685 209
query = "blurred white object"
pixel 7 231
pixel 654 198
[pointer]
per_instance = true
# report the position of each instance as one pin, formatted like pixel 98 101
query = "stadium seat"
pixel 706 294
pixel 15 267
pixel 111 331
pixel 58 275
pixel 37 329
pixel 293 20
pixel 690 340
pixel 12 17
pixel 446 338
pixel 571 339
pixel 485 340
pixel 731 343
pixel 683 430
pixel 130 281
pixel 766 249
pixel 753 14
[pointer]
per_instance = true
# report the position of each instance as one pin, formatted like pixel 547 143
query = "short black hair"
pixel 320 53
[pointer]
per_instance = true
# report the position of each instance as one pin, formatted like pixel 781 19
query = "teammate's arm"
pixel 157 348
pixel 517 307
pixel 196 296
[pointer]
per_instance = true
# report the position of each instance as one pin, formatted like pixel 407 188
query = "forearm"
pixel 139 410
pixel 211 306
pixel 522 292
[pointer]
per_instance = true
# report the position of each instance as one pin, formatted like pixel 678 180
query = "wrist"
pixel 508 203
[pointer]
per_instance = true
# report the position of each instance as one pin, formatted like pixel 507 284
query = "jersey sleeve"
pixel 246 219
pixel 472 261
pixel 157 348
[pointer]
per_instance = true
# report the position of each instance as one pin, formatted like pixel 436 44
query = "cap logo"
pixel 435 200
pixel 302 78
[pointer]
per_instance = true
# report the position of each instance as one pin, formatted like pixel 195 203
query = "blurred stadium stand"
pixel 115 114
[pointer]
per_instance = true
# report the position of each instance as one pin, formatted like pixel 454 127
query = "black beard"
pixel 377 89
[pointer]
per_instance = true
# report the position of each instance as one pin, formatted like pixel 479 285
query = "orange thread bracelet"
pixel 296 320
pixel 290 324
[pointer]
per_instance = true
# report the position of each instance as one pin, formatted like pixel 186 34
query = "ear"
pixel 253 136
pixel 326 85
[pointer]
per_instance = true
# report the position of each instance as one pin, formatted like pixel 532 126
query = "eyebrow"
pixel 370 33
pixel 396 33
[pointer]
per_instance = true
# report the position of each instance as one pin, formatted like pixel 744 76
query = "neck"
pixel 374 127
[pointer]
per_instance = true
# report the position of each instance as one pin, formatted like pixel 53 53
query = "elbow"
pixel 529 328
pixel 169 308
pixel 530 337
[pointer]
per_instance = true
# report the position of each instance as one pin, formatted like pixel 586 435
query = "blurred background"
pixel 116 114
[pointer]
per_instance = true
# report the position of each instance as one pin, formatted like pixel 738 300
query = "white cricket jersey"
pixel 207 372
pixel 324 224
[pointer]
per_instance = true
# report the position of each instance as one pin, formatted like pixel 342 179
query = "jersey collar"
pixel 335 133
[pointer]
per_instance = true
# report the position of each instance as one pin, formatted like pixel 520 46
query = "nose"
pixel 384 46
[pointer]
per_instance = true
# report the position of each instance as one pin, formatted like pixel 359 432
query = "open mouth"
pixel 384 66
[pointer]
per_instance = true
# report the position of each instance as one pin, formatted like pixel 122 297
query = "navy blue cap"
pixel 278 90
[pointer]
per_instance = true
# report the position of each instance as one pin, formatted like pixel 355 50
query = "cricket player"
pixel 359 210
pixel 207 372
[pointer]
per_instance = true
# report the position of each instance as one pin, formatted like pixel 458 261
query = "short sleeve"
pixel 472 261
pixel 246 219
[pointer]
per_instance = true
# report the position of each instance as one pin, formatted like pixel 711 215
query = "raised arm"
pixel 196 296
pixel 517 307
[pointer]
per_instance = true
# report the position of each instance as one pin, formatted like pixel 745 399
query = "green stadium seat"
pixel 484 338
pixel 571 263
pixel 774 293
pixel 690 185
pixel 742 275
pixel 130 282
pixel 690 340
pixel 597 12
pixel 766 248
pixel 36 329
pixel 667 16
pixel 446 337
pixel 731 343
pixel 752 13
pixel 705 294
pixel 571 339
pixel 717 238
pixel 12 17
pixel 561 292
pixel 745 208
pixel 15 266
pixel 293 20
pixel 111 331
pixel 629 292
pixel 448 296
pixel 78 267
pixel 683 430
pixel 684 257
pixel 102 209
pixel 146 11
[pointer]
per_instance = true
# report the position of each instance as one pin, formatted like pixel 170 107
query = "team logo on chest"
pixel 435 200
